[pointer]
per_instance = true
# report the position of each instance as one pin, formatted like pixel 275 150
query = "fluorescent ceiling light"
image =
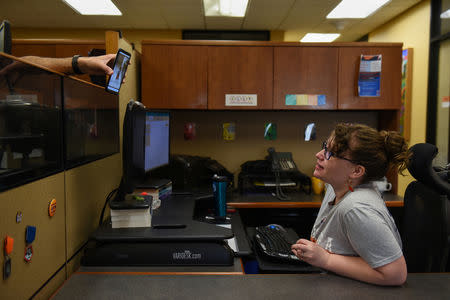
pixel 319 37
pixel 94 7
pixel 356 9
pixel 446 14
pixel 225 8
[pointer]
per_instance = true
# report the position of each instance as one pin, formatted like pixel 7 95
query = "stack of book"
pixel 126 218
pixel 133 211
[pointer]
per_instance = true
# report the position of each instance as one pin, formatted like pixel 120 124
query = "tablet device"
pixel 119 70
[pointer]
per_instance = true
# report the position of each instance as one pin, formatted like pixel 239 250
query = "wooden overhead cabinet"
pixel 230 75
pixel 305 73
pixel 390 81
pixel 174 76
pixel 240 70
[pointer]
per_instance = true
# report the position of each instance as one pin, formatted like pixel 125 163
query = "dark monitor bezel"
pixel 5 37
pixel 133 150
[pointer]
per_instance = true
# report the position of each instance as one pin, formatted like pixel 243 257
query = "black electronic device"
pixel 145 145
pixel 97 79
pixel 191 173
pixel 120 68
pixel 281 161
pixel 274 241
pixel 5 37
pixel 174 253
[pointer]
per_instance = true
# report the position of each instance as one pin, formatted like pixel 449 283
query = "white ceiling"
pixel 294 16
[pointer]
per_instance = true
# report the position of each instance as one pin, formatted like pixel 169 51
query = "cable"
pixel 278 190
pixel 104 206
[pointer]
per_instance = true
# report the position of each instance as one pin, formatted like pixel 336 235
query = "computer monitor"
pixel 5 37
pixel 146 143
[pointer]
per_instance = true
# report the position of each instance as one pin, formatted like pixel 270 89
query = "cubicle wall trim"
pixel 161 273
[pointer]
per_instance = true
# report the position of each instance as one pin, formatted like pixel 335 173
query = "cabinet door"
pixel 302 71
pixel 240 70
pixel 390 82
pixel 174 76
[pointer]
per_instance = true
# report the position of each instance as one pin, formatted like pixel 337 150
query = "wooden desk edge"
pixel 292 204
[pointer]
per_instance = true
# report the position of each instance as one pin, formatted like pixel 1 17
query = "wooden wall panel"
pixel 49 246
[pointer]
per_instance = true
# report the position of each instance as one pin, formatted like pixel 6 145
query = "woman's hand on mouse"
pixel 311 253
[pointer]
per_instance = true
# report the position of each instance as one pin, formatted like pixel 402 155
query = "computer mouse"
pixel 276 227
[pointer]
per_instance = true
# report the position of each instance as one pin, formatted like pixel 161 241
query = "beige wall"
pixel 250 143
pixel 413 29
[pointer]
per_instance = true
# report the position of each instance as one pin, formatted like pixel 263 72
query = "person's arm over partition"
pixel 354 234
pixel 93 65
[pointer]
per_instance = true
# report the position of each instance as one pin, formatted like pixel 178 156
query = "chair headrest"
pixel 420 167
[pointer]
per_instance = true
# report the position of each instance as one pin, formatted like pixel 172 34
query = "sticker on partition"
pixel 229 131
pixel 28 253
pixel 189 131
pixel 270 131
pixel 52 208
pixel 241 100
pixel 369 76
pixel 446 102
pixel 305 99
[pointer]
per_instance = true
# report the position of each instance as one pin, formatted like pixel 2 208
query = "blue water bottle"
pixel 220 194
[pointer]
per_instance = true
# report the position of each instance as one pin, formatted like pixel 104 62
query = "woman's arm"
pixel 393 273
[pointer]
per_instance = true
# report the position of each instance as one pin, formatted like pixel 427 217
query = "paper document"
pixel 231 242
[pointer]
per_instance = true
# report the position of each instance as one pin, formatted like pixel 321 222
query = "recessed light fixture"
pixel 97 7
pixel 356 9
pixel 225 8
pixel 319 37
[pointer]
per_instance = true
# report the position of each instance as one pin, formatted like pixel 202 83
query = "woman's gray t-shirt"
pixel 358 225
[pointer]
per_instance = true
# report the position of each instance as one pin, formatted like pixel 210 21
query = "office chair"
pixel 425 221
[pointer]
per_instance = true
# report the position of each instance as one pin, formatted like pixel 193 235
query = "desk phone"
pixel 282 161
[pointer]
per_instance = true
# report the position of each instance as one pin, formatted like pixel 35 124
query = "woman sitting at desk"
pixel 354 234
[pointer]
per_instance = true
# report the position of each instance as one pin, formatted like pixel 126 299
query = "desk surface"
pixel 298 200
pixel 303 286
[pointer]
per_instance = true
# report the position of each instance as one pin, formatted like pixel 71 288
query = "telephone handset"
pixel 281 161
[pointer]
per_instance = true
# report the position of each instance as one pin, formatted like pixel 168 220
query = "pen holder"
pixel 219 184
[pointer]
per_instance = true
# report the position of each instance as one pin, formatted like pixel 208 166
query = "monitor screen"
pixel 156 140
pixel 5 37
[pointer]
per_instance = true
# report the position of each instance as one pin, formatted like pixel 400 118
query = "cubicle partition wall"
pixel 59 141
pixel 30 123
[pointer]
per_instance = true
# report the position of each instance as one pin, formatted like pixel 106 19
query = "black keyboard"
pixel 275 242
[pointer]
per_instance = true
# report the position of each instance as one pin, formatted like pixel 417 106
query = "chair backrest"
pixel 425 220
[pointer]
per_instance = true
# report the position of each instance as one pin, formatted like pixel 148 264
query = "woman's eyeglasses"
pixel 328 154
